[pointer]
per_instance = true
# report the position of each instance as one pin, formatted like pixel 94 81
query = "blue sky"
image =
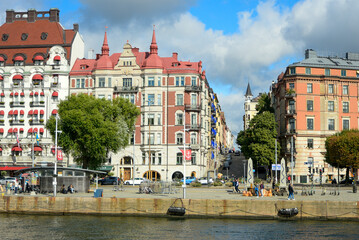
pixel 238 41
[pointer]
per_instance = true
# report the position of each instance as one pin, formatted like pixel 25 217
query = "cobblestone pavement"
pixel 205 192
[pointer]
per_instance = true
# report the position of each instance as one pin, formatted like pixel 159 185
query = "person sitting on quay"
pixel 63 189
pixel 70 189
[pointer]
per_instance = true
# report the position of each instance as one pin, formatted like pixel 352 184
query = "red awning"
pixel 1 77
pixel 39 58
pixel 41 130
pixel 19 58
pixel 16 149
pixel 54 112
pixel 3 94
pixel 42 112
pixel 16 94
pixel 57 58
pixel 0 149
pixel 37 77
pixel 2 112
pixel 22 94
pixel 35 130
pixel 14 130
pixel 10 130
pixel 2 59
pixel 16 112
pixel 21 130
pixel 37 149
pixel 36 112
pixel 7 168
pixel 22 112
pixel 36 93
pixel 55 94
pixel 11 94
pixel 42 94
pixel 18 77
pixel 31 94
pixel 1 130
pixel 11 112
pixel 30 130
pixel 30 112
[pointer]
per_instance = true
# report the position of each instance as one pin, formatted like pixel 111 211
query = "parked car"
pixel 189 180
pixel 137 181
pixel 350 181
pixel 205 180
pixel 237 153
pixel 8 179
pixel 109 181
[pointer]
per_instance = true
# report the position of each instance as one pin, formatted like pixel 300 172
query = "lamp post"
pixel 133 158
pixel 149 175
pixel 55 169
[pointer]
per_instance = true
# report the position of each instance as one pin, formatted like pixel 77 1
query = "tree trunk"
pixel 347 176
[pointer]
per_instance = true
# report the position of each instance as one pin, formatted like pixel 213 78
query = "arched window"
pixel 193 138
pixel 179 118
pixel 179 138
pixel 179 158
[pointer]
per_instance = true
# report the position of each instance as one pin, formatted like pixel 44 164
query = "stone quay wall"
pixel 195 208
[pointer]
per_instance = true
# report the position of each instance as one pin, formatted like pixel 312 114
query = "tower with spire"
pixel 250 104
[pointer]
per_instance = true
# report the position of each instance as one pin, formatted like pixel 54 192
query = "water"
pixel 95 227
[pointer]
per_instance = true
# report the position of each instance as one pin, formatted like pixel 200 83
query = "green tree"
pixel 342 150
pixel 264 104
pixel 258 141
pixel 92 127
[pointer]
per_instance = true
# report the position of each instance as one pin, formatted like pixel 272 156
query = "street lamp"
pixel 149 175
pixel 133 158
pixel 55 169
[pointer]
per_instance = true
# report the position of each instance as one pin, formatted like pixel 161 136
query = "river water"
pixel 96 227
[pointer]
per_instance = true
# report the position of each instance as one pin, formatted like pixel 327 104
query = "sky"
pixel 238 41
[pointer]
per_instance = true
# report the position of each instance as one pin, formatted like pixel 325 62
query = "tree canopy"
pixel 92 127
pixel 342 149
pixel 264 104
pixel 258 141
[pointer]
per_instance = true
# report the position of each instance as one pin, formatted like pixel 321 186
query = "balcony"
pixel 193 127
pixel 290 112
pixel 17 104
pixel 291 131
pixel 17 122
pixel 290 95
pixel 2 104
pixel 17 84
pixel 196 108
pixel 36 121
pixel 125 89
pixel 193 88
pixel 37 104
pixel 55 85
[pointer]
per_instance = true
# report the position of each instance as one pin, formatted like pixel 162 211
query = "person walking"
pixel 256 190
pixel 236 184
pixel 291 192
pixel 262 189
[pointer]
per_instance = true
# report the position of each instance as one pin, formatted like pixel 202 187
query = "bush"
pixel 217 183
pixel 110 174
pixel 178 184
pixel 196 184
pixel 229 184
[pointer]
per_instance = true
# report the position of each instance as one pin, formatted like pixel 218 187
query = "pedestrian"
pixel 291 192
pixel 236 184
pixel 16 186
pixel 273 184
pixel 256 190
pixel 262 189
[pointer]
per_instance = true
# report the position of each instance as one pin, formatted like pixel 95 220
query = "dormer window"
pixel 84 66
pixel 19 61
pixel 2 61
pixel 39 60
pixel 37 79
pixel 57 60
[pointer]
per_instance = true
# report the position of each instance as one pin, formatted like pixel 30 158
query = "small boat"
pixel 288 212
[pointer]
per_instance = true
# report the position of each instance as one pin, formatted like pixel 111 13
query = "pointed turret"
pixel 153 60
pixel 248 92
pixel 105 49
pixel 154 47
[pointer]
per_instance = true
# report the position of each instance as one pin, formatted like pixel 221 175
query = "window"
pixel 310 143
pixel 345 124
pixel 78 83
pixel 151 99
pixel 345 90
pixel 151 81
pixel 327 72
pixel 159 156
pixel 193 159
pixel 82 83
pixel 143 158
pixel 308 71
pixel 292 70
pixel 309 105
pixel 158 138
pixel 330 106
pixel 151 119
pixel 182 81
pixel 153 156
pixel 101 82
pixel 177 81
pixel 158 119
pixel 193 99
pixel 194 82
pixel 343 73
pixel 158 81
pixel 159 103
pixel 331 88
pixel 310 123
pixel 291 106
pixel 132 139
pixel 331 124
pixel 101 96
pixel 291 85
pixel 179 138
pixel 309 88
pixel 345 107
pixel 292 124
pixel 132 99
pixel 127 82
pixel 179 101
pixel 151 139
pixel 193 138
pixel 109 80
pixel 179 118
pixel 179 158
pixel 193 119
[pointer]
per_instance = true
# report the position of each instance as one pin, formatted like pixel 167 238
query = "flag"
pixel 37 138
pixel 188 154
pixel 17 140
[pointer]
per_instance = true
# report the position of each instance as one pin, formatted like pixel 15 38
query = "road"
pixel 236 169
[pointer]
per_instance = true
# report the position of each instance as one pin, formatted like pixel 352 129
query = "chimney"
pixel 54 15
pixel 97 56
pixel 310 53
pixel 352 56
pixel 10 15
pixel 76 27
pixel 175 55
pixel 90 54
pixel 31 15
pixel 135 50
